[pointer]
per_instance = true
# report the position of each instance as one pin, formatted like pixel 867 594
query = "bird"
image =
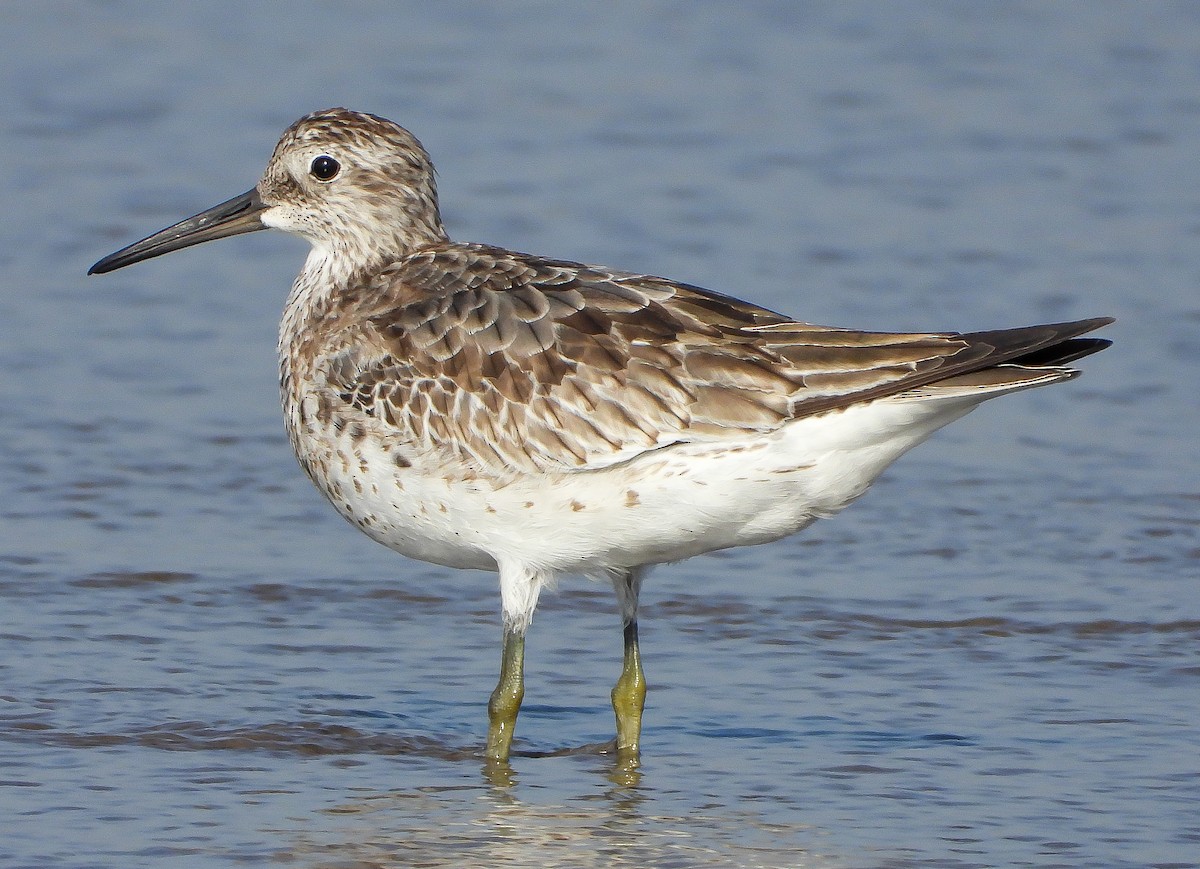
pixel 481 408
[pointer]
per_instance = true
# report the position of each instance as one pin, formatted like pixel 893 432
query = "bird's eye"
pixel 324 168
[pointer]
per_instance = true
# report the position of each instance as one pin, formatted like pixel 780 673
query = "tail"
pixel 1012 359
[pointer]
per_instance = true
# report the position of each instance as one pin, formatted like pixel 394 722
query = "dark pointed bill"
pixel 232 217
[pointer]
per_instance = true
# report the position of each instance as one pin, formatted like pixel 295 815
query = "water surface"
pixel 990 660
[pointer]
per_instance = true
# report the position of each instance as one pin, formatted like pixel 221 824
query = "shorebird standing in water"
pixel 481 408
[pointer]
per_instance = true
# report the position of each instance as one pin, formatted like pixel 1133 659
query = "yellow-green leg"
pixel 505 702
pixel 629 696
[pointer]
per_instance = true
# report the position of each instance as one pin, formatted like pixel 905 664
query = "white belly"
pixel 665 505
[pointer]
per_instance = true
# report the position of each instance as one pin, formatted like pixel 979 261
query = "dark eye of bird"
pixel 324 168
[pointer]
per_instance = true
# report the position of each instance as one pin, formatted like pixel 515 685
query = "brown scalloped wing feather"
pixel 511 361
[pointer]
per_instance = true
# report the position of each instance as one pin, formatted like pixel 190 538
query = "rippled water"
pixel 991 660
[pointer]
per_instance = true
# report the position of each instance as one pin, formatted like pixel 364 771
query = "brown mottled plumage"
pixel 588 367
pixel 477 407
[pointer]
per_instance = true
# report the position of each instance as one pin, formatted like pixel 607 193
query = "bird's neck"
pixel 324 275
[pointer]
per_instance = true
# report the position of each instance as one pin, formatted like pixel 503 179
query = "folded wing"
pixel 514 362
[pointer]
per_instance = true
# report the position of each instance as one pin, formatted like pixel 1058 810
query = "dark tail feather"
pixel 1048 344
pixel 1060 354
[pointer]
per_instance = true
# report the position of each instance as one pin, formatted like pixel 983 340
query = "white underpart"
pixel 520 587
pixel 663 506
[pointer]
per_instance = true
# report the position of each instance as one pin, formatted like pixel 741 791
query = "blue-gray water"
pixel 991 660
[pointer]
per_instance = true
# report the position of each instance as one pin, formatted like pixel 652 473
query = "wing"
pixel 508 361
